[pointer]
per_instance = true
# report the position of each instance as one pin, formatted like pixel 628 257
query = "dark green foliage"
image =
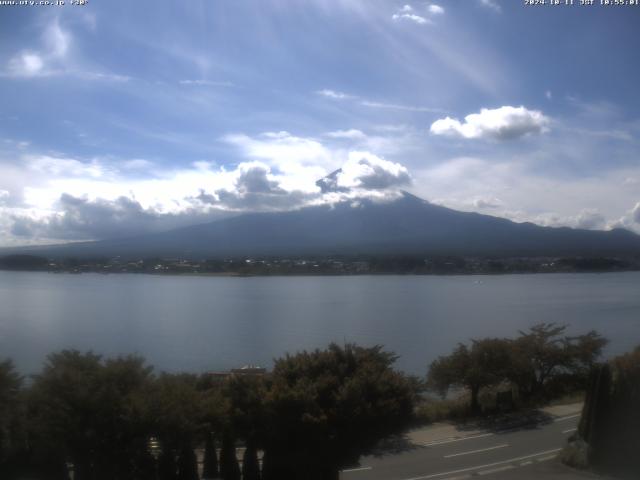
pixel 328 407
pixel 485 363
pixel 250 464
pixel 167 466
pixel 173 409
pixel 83 409
pixel 541 363
pixel 544 353
pixel 210 465
pixel 11 415
pixel 611 417
pixel 229 468
pixel 187 464
pixel 316 412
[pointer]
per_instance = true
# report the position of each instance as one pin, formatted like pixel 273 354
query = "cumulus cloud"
pixel 487 203
pixel 67 199
pixel 407 13
pixel 26 64
pixel 504 123
pixel 367 171
pixel 83 219
pixel 68 166
pixel 590 219
pixel 255 188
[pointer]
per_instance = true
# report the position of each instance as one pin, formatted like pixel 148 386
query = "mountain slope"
pixel 408 225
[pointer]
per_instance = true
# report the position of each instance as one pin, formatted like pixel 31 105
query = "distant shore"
pixel 324 266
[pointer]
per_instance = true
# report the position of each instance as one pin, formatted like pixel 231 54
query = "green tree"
pixel 328 407
pixel 250 464
pixel 481 365
pixel 187 464
pixel 12 426
pixel 543 353
pixel 84 410
pixel 229 468
pixel 210 463
pixel 173 409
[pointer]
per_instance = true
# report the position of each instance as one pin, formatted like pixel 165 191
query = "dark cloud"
pixel 83 219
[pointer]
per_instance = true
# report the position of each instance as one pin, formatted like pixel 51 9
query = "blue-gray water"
pixel 215 323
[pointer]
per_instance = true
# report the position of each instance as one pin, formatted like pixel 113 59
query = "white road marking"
pixel 569 430
pixel 478 467
pixel 496 470
pixel 476 451
pixel 524 464
pixel 568 417
pixel 358 469
pixel 544 459
pixel 451 439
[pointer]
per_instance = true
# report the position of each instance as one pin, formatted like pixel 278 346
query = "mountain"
pixel 406 226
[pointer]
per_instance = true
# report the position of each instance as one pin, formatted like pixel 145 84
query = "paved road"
pixel 517 453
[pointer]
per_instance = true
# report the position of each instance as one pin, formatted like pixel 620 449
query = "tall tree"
pixel 328 407
pixel 187 464
pixel 229 468
pixel 210 463
pixel 544 351
pixel 250 464
pixel 482 364
pixel 12 426
pixel 83 409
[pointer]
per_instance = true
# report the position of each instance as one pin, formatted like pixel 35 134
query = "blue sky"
pixel 119 118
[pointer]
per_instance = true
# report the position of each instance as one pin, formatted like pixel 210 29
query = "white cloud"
pixel 365 170
pixel 504 123
pixel 26 64
pixel 333 94
pixel 45 198
pixel 395 106
pixel 206 83
pixel 487 203
pixel 351 134
pixel 54 57
pixel 29 63
pixel 590 219
pixel 492 4
pixel 57 40
pixel 407 12
pixel 65 166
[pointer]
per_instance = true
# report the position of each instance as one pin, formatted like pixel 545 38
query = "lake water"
pixel 216 323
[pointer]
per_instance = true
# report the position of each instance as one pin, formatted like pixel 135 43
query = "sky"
pixel 120 118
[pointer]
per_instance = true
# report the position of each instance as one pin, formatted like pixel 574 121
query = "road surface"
pixel 515 453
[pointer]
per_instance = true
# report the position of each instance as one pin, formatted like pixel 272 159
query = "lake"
pixel 215 323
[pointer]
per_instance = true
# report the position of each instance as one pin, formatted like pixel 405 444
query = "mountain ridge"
pixel 408 225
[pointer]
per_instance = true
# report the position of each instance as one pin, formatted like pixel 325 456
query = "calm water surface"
pixel 215 323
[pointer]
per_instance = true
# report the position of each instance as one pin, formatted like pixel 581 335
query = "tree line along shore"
pixel 313 414
pixel 322 265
